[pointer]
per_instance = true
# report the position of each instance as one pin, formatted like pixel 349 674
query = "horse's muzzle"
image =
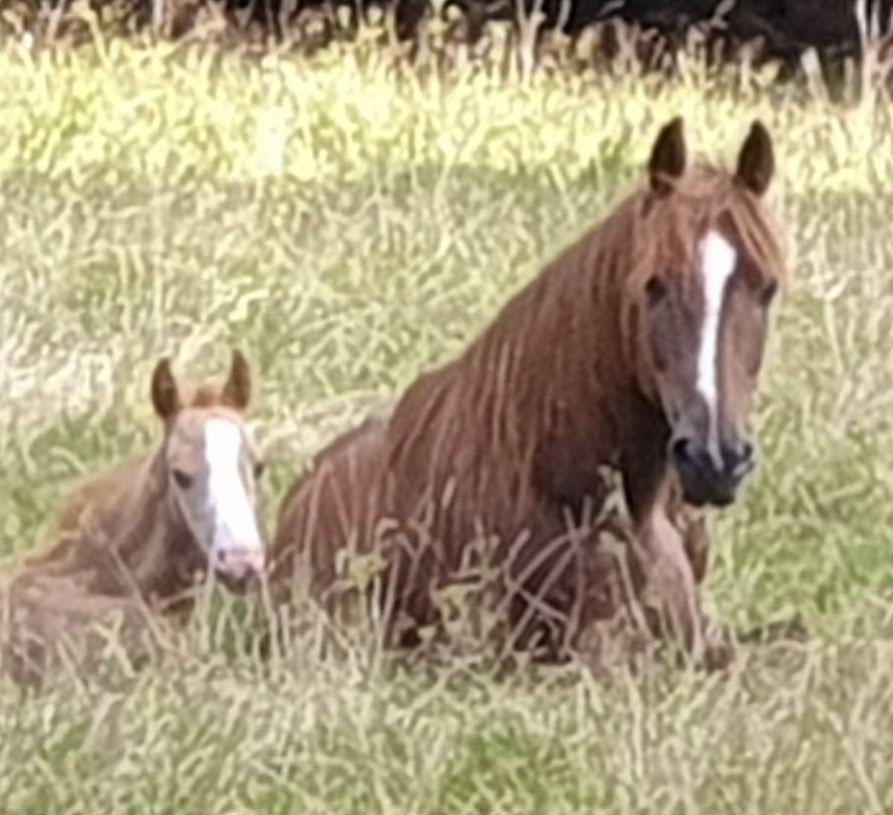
pixel 706 480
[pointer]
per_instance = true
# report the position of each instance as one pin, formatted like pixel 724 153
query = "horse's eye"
pixel 183 479
pixel 260 468
pixel 655 290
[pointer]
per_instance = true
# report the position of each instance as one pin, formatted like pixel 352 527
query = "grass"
pixel 349 226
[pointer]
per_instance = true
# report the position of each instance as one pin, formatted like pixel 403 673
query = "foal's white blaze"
pixel 235 524
pixel 718 258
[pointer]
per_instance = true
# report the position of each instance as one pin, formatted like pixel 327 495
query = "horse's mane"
pixel 540 367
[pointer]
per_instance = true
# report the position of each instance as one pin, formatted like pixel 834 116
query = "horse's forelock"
pixel 666 230
pixel 204 396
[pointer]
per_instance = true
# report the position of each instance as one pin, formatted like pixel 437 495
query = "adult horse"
pixel 638 348
pixel 130 541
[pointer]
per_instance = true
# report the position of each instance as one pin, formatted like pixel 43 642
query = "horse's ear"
pixel 756 161
pixel 165 394
pixel 667 161
pixel 237 390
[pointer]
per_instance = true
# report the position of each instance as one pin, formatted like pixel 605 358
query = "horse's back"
pixel 327 505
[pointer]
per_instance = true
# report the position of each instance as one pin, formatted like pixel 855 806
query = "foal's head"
pixel 211 468
pixel 707 272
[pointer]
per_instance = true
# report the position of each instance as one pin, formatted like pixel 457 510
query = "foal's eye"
pixel 655 290
pixel 183 479
pixel 260 468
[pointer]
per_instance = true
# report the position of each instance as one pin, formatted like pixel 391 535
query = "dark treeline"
pixel 655 32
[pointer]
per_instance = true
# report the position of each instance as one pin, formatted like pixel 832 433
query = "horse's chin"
pixel 699 494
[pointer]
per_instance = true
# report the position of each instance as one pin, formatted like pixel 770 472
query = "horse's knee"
pixel 671 600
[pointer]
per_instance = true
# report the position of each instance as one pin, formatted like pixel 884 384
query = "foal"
pixel 638 348
pixel 132 539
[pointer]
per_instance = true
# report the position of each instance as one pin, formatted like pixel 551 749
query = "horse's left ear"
pixel 165 394
pixel 667 162
pixel 756 161
pixel 237 390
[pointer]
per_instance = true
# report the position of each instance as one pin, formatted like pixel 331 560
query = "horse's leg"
pixel 673 558
pixel 692 525
pixel 695 540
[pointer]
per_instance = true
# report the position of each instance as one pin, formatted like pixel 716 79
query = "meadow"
pixel 350 224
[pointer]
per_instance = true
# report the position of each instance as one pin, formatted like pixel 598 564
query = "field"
pixel 349 226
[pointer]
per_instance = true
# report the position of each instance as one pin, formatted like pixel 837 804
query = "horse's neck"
pixel 573 384
pixel 543 399
pixel 643 460
pixel 134 545
pixel 583 379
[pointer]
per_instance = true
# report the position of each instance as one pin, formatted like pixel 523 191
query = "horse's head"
pixel 710 271
pixel 212 468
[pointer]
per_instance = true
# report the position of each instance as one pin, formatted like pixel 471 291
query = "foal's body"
pixel 616 355
pixel 105 566
pixel 130 541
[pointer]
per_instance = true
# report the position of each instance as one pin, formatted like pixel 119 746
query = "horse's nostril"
pixel 739 456
pixel 240 563
pixel 682 450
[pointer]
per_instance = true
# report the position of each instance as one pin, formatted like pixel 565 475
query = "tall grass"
pixel 350 225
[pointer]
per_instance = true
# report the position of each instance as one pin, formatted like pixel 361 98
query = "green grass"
pixel 350 226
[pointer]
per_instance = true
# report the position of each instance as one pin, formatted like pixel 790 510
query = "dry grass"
pixel 350 226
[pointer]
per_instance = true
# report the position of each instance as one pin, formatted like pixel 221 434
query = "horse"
pixel 130 541
pixel 636 351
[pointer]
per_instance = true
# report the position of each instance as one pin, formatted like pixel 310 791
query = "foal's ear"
pixel 667 161
pixel 237 390
pixel 756 161
pixel 165 394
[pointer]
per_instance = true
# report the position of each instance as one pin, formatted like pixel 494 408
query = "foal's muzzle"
pixel 706 480
pixel 239 568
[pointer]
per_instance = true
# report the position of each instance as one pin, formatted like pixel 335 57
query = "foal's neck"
pixel 155 556
pixel 133 545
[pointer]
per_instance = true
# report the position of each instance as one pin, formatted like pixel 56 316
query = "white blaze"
pixel 718 258
pixel 235 525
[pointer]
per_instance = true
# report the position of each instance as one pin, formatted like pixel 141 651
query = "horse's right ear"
pixel 165 394
pixel 667 162
pixel 756 161
pixel 237 390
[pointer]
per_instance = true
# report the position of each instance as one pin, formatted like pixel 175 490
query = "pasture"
pixel 349 225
